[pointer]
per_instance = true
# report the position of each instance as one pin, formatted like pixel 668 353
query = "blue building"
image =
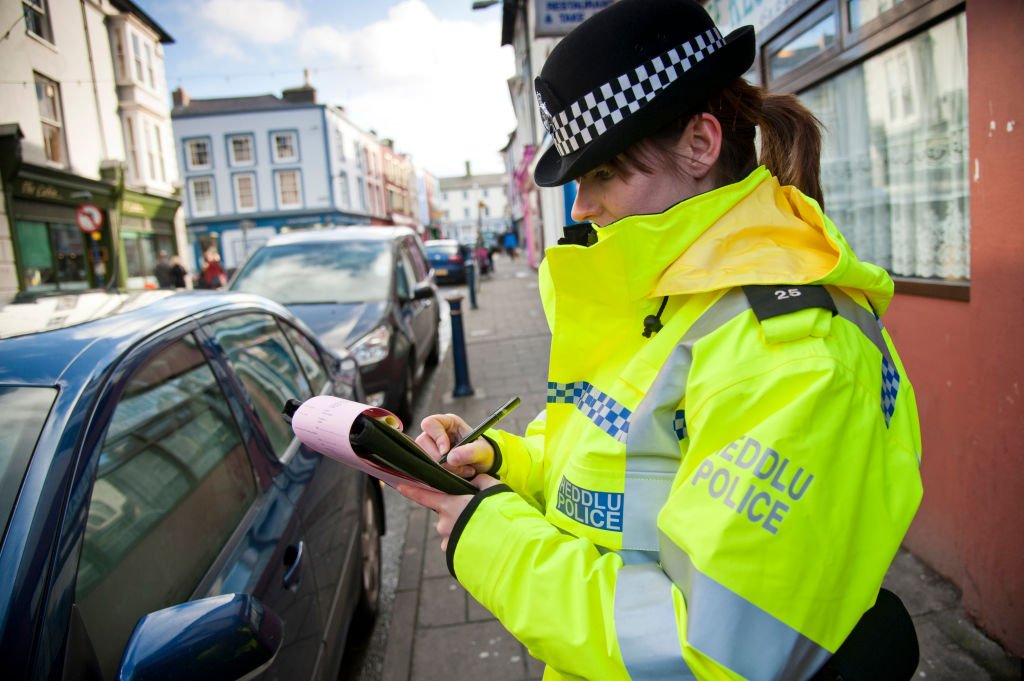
pixel 256 166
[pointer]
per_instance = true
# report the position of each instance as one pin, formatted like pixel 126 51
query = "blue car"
pixel 160 519
pixel 448 258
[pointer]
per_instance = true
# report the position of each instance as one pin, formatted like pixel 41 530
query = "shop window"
pixel 140 252
pixel 289 190
pixel 52 256
pixel 37 18
pixel 245 192
pixel 810 39
pixel 862 12
pixel 48 98
pixel 197 154
pixel 200 190
pixel 895 154
pixel 285 147
pixel 241 150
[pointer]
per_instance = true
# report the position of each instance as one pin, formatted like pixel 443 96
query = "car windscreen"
pixel 23 411
pixel 319 272
pixel 442 249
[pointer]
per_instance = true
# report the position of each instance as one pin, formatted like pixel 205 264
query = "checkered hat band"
pixel 598 111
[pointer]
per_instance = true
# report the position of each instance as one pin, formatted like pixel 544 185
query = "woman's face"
pixel 605 195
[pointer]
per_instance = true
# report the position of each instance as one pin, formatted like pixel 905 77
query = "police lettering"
pixel 601 510
pixel 731 482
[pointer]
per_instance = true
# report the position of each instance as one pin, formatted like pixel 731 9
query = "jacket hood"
pixel 750 232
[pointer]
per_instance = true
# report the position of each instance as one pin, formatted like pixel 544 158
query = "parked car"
pixel 368 289
pixel 448 258
pixel 161 521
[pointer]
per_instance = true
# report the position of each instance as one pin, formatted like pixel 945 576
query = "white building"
pixel 470 203
pixel 84 120
pixel 256 166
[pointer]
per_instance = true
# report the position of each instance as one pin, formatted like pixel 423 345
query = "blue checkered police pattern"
pixel 890 386
pixel 599 110
pixel 679 424
pixel 606 413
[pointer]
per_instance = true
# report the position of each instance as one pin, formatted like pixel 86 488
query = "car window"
pixel 406 275
pixel 172 463
pixel 418 258
pixel 319 272
pixel 23 411
pixel 269 370
pixel 309 358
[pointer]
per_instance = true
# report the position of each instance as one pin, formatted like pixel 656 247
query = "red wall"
pixel 966 360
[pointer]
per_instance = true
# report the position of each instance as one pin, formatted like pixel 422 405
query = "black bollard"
pixel 462 386
pixel 471 282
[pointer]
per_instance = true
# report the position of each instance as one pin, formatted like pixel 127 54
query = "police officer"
pixel 729 456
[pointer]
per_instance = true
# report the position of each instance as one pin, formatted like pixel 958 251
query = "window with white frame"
pixel 133 154
pixel 197 154
pixel 241 149
pixel 48 98
pixel 158 147
pixel 339 145
pixel 346 194
pixel 137 58
pixel 200 191
pixel 285 147
pixel 289 189
pixel 245 192
pixel 149 65
pixel 37 18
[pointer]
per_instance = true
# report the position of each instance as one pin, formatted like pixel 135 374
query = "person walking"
pixel 162 271
pixel 178 272
pixel 511 243
pixel 213 275
pixel 730 453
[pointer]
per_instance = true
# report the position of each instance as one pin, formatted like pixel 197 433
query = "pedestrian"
pixel 213 275
pixel 162 271
pixel 511 242
pixel 729 455
pixel 178 272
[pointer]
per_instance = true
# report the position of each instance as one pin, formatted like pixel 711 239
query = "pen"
pixel 502 411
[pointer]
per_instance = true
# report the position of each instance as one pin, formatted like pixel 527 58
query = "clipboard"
pixel 369 439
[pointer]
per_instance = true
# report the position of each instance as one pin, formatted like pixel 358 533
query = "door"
pixel 420 315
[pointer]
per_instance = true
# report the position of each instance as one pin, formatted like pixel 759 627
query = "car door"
pixel 274 361
pixel 178 511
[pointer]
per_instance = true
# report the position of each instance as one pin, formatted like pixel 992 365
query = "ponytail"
pixel 790 139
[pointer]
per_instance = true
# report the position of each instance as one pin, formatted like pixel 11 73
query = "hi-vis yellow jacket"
pixel 722 499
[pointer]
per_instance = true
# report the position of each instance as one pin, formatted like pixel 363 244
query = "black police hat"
pixel 626 72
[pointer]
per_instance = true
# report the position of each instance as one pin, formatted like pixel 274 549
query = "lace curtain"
pixel 895 157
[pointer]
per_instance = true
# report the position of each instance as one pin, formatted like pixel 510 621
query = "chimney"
pixel 181 98
pixel 467 169
pixel 304 94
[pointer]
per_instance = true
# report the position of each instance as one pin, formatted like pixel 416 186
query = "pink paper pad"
pixel 323 424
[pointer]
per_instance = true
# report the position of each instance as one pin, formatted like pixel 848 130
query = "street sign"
pixel 88 217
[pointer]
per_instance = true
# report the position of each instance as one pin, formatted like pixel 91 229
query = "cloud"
pixel 263 22
pixel 437 87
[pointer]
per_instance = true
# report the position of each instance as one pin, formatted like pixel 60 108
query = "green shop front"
pixel 53 250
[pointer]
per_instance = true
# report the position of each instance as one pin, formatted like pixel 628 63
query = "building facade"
pixel 474 203
pixel 85 139
pixel 256 166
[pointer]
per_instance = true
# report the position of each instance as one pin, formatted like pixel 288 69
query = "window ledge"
pixel 933 288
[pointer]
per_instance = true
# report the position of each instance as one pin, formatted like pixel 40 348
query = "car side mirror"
pixel 422 292
pixel 223 637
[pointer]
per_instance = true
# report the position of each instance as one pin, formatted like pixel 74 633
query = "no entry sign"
pixel 89 217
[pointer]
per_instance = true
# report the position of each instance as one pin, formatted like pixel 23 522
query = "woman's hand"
pixel 441 431
pixel 448 506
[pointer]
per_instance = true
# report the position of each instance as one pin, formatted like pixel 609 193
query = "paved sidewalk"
pixel 437 632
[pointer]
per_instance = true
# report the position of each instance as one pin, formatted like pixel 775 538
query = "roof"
pixel 44 337
pixel 202 107
pixel 131 8
pixel 345 233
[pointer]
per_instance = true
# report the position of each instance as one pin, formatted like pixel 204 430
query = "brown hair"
pixel 790 139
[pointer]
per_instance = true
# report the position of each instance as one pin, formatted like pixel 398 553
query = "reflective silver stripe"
pixel 652 440
pixel 632 557
pixel 865 320
pixel 733 631
pixel 645 623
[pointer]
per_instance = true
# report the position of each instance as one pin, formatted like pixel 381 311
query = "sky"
pixel 429 74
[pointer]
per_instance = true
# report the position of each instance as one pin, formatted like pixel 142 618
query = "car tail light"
pixel 455 258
